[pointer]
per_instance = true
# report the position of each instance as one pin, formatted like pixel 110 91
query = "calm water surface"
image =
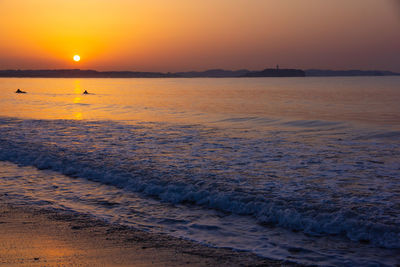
pixel 303 169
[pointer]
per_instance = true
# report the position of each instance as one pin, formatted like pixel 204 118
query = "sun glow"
pixel 77 58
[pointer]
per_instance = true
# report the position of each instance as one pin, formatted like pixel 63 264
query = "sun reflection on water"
pixel 77 100
pixel 78 116
pixel 77 87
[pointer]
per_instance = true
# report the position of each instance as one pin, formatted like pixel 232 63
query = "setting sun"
pixel 273 122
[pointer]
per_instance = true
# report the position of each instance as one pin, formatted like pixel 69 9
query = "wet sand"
pixel 33 237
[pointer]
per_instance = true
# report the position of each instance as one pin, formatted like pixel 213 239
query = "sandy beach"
pixel 199 133
pixel 33 237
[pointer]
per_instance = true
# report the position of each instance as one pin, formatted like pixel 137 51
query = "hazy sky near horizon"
pixel 180 35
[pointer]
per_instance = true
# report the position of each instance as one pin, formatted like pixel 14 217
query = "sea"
pixel 304 170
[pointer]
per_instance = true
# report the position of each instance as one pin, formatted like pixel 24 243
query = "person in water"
pixel 85 93
pixel 19 91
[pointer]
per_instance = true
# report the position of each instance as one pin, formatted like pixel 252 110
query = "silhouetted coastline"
pixel 276 73
pixel 343 73
pixel 213 73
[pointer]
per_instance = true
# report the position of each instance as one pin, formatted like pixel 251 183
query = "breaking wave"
pixel 316 182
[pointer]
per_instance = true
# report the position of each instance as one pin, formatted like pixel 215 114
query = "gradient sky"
pixel 180 35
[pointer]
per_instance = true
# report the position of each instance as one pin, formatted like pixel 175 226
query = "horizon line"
pixel 204 70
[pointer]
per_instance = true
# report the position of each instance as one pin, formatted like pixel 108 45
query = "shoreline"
pixel 37 237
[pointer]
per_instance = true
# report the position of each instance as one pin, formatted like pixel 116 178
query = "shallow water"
pixel 304 169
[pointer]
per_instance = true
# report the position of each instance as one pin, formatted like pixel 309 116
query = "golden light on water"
pixel 78 116
pixel 77 58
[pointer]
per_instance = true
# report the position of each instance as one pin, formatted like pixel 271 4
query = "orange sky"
pixel 179 35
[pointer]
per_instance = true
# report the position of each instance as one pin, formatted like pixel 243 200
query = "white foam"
pixel 28 186
pixel 308 182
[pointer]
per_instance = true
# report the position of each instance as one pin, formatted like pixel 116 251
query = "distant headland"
pixel 333 73
pixel 213 73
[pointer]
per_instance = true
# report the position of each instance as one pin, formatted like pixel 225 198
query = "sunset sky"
pixel 181 35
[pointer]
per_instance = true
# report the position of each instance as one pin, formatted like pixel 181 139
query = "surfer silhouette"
pixel 85 93
pixel 20 92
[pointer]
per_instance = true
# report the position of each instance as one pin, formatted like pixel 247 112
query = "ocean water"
pixel 300 169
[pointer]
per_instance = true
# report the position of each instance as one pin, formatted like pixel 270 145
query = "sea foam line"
pixel 143 158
